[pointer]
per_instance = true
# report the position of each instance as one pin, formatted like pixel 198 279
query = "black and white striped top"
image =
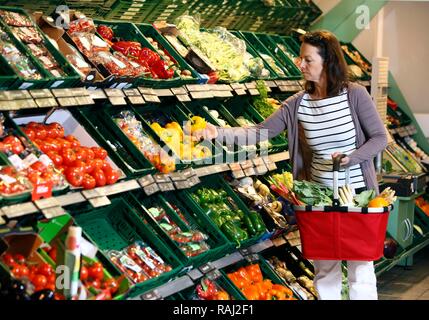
pixel 329 128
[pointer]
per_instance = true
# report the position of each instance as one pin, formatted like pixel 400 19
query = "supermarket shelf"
pixel 388 264
pixel 52 207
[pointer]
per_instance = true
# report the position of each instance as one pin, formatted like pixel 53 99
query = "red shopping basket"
pixel 342 233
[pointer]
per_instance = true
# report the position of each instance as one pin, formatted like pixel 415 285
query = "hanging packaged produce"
pixel 217 53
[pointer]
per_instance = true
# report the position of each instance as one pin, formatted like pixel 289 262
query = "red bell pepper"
pixel 105 32
pixel 128 48
pixel 149 56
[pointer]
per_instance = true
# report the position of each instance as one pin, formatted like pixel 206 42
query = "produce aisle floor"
pixel 410 283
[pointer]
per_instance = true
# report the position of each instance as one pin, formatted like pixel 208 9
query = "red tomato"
pixel 40 133
pixel 83 273
pixel 112 176
pixel 99 152
pixel 45 269
pixel 53 253
pixel 64 144
pixel 88 182
pixel 74 176
pixel 90 154
pixel 80 154
pixel 100 178
pixel 30 133
pixel 17 148
pixel 34 177
pixel 10 140
pixel 40 281
pixel 79 164
pixel 106 167
pixel 59 128
pixel 56 158
pixel 98 164
pixel 112 285
pixel 69 156
pixel 96 272
pixel 38 166
pixel 52 278
pixel 8 260
pixel 16 271
pixel 19 258
pixel 25 272
pixel 33 124
pixel 95 284
pixel 73 141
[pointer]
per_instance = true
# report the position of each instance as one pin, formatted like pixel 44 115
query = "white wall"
pixel 406 43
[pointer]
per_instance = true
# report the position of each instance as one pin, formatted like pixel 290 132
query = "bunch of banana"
pixel 346 196
pixel 389 195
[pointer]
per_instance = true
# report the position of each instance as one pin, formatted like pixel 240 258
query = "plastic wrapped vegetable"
pixel 15 19
pixel 128 266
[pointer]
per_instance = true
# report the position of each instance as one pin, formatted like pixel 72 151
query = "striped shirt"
pixel 329 128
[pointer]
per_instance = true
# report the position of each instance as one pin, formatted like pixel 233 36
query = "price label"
pixel 11 95
pixel 206 268
pixel 179 91
pixel 71 198
pixel 97 94
pixel 246 164
pixel 46 102
pixel 270 84
pixel 182 184
pixel 53 212
pixel 121 187
pixel 18 210
pixel 47 203
pixel 261 170
pixel 250 85
pixel 183 97
pixel 114 92
pixel 250 172
pixel 93 193
pixel 99 202
pixel 148 91
pixel 238 174
pixel 166 186
pixel 24 104
pixel 62 93
pixel 137 100
pixel 67 102
pixel 84 101
pixel 146 180
pixel 201 95
pixel 193 181
pixel 42 190
pixel 163 92
pixel 254 92
pixel 151 98
pixel 117 101
pixel 151 189
pixel 152 295
pixel 196 87
pixel 132 92
pixel 238 86
pixel 41 93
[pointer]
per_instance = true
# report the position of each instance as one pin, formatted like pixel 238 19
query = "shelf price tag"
pixel 151 98
pixel 179 91
pixel 151 295
pixel 151 189
pixel 201 95
pixel 206 268
pixel 99 201
pixel 146 180
pixel 163 93
pixel 67 102
pixel 46 102
pixel 53 212
pixel 254 92
pixel 18 210
pixel 71 198
pixel 97 94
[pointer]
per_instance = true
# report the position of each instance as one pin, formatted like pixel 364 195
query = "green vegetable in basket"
pixel 233 232
pixel 363 198
pixel 312 193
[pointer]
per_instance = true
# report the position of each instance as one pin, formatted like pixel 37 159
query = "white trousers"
pixel 361 279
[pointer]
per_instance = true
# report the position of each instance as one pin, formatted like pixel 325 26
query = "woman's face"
pixel 310 63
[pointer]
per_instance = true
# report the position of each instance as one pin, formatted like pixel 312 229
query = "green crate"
pixel 131 11
pixel 252 40
pixel 217 242
pixel 71 79
pixel 7 76
pixel 292 46
pixel 217 182
pixel 286 61
pixel 165 10
pixel 129 32
pixel 174 111
pixel 110 137
pixel 117 226
pixel 350 60
pixel 266 269
pixel 219 279
pixel 234 153
pixel 243 107
pixel 149 31
pixel 273 75
pixel 21 82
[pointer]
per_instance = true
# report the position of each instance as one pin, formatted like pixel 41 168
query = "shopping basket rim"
pixel 309 208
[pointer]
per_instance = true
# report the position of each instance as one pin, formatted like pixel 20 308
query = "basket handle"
pixel 336 168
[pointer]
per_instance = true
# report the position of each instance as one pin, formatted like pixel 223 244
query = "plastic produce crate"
pixel 234 152
pixel 115 228
pixel 123 153
pixel 11 78
pixel 240 107
pixel 165 10
pixel 218 244
pixel 128 32
pixel 349 51
pixel 149 31
pixel 129 10
pixel 266 269
pixel 216 182
pixel 169 112
pixel 252 40
pixel 71 77
pixel 286 60
pixel 218 279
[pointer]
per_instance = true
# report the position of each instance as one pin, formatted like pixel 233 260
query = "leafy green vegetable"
pixel 364 197
pixel 313 193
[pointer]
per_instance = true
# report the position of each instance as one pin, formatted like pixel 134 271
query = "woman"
pixel 331 116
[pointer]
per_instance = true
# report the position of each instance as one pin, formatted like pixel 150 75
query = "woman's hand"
pixel 344 161
pixel 208 133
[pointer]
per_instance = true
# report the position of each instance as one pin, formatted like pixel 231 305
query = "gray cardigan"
pixel 371 136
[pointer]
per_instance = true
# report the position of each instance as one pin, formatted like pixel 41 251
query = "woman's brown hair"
pixel 334 64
